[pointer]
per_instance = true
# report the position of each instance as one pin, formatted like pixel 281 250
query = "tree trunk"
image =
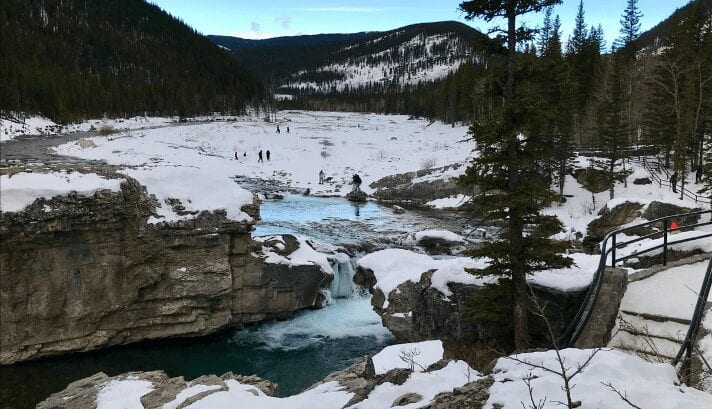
pixel 519 284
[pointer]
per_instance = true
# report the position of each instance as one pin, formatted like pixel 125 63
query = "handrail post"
pixel 613 251
pixel 665 240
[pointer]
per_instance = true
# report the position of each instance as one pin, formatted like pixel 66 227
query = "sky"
pixel 274 18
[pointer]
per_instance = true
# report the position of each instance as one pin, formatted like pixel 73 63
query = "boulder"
pixel 357 196
pixel 612 219
pixel 419 187
pixel 642 181
pixel 656 210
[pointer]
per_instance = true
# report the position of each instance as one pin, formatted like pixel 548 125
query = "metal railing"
pixel 660 174
pixel 689 343
pixel 609 246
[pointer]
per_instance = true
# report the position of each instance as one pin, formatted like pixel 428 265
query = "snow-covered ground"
pixel 20 190
pixel 645 384
pixel 196 163
pixel 582 207
pixel 392 267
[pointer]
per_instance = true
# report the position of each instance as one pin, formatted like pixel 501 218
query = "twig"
pixel 623 396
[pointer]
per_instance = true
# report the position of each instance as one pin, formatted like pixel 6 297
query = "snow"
pixel 393 267
pixel 634 248
pixel 446 235
pixel 582 207
pixel 188 393
pixel 451 202
pixel 411 62
pixel 123 394
pixel 340 144
pixel 329 395
pixel 304 255
pixel 647 385
pixel 31 125
pixel 669 293
pixel 427 385
pixel 428 353
pixel 22 189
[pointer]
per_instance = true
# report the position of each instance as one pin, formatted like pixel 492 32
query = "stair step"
pixel 648 345
pixel 655 318
pixel 639 325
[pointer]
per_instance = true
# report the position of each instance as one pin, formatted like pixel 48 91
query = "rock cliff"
pixel 83 272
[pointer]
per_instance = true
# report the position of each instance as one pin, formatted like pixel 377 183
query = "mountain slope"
pixel 77 58
pixel 653 36
pixel 363 62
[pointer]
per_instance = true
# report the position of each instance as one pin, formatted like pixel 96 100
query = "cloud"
pixel 255 27
pixel 283 21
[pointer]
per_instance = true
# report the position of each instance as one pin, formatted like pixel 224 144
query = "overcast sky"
pixel 273 18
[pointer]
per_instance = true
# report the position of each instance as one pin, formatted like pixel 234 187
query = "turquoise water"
pixel 294 353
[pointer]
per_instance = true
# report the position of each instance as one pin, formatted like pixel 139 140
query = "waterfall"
pixel 343 268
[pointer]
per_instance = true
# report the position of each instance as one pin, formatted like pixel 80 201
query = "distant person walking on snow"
pixel 288 129
pixel 259 157
pixel 277 128
pixel 698 174
pixel 356 180
pixel 268 155
pixel 321 177
pixel 236 157
pixel 673 182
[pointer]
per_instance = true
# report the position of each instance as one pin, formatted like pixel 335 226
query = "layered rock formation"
pixel 416 311
pixel 80 273
pixel 419 187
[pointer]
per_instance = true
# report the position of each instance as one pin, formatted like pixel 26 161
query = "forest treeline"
pixel 652 88
pixel 75 59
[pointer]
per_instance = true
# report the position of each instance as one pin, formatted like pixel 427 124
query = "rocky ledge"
pixel 417 311
pixel 84 272
pixel 359 384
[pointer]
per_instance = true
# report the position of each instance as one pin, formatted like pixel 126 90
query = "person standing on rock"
pixel 673 182
pixel 321 177
pixel 259 157
pixel 356 180
pixel 268 155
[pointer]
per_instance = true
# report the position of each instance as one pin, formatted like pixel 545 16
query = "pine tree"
pixel 577 40
pixel 508 174
pixel 612 127
pixel 630 26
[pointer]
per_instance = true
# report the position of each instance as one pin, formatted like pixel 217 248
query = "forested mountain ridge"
pixel 76 59
pixel 662 29
pixel 363 62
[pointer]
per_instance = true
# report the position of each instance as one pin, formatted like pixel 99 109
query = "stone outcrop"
pixel 359 379
pixel 597 331
pixel 416 187
pixel 79 273
pixel 268 290
pixel 417 311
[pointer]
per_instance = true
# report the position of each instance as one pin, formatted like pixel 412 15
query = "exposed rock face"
pixel 359 379
pixel 89 272
pixel 624 213
pixel 656 210
pixel 417 312
pixel 612 219
pixel 357 196
pixel 83 393
pixel 597 332
pixel 406 187
pixel 268 290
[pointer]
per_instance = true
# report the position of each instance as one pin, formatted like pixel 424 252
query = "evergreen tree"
pixel 577 40
pixel 508 173
pixel 612 127
pixel 630 26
